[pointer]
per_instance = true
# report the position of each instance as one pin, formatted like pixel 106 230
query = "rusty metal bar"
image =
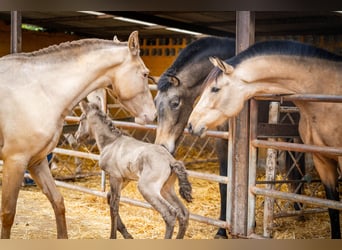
pixel 288 146
pixel 300 97
pixel 297 198
pixel 300 212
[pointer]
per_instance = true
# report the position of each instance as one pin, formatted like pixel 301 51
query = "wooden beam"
pixel 16 36
pixel 238 159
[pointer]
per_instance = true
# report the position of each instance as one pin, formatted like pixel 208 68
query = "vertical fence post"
pixel 271 164
pixel 239 131
pixel 16 36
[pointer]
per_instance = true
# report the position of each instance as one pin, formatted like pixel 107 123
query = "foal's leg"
pixel 151 192
pixel 12 177
pixel 114 199
pixel 120 225
pixel 168 192
pixel 43 177
pixel 327 170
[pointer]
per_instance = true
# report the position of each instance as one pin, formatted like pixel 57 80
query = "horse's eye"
pixel 215 89
pixel 174 103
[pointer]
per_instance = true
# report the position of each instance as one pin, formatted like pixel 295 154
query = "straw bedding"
pixel 88 215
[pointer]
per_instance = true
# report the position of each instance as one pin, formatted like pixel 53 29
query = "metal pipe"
pixel 210 133
pixel 297 198
pixel 288 146
pixel 300 97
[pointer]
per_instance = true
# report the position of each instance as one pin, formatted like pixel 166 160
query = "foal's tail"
pixel 184 185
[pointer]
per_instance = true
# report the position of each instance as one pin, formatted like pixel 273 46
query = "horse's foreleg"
pixel 327 170
pixel 43 177
pixel 12 177
pixel 122 229
pixel 113 199
pixel 222 153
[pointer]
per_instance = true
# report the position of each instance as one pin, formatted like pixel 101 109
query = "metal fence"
pixel 268 178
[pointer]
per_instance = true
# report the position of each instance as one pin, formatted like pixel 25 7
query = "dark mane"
pixel 195 52
pixel 276 47
pixel 283 47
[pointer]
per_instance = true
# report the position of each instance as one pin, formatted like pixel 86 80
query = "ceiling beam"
pixel 170 23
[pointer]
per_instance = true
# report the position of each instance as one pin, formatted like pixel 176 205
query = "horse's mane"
pixel 276 47
pixel 105 120
pixel 198 50
pixel 66 46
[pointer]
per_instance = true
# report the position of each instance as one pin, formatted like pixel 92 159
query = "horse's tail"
pixel 184 185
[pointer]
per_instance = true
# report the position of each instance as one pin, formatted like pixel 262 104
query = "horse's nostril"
pixel 190 128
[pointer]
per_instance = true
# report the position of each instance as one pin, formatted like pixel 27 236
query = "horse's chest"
pixel 121 163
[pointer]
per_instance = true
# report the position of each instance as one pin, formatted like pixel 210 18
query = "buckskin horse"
pixel 281 67
pixel 37 91
pixel 178 88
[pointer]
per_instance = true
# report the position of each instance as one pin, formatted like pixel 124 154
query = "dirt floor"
pixel 88 215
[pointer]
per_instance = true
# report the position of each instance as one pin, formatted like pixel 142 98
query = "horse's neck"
pixel 76 78
pixel 103 134
pixel 281 74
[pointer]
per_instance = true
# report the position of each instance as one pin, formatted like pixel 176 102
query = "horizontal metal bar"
pixel 210 133
pixel 75 153
pixel 300 97
pixel 297 198
pixel 300 212
pixel 203 176
pixel 208 177
pixel 288 146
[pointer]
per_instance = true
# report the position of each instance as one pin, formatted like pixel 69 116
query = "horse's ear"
pixel 154 79
pixel 116 40
pixel 133 43
pixel 174 81
pixel 84 106
pixel 98 102
pixel 222 65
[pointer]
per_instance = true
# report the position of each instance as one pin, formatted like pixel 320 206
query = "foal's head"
pixel 93 119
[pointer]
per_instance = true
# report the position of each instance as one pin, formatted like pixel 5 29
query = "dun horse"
pixel 281 67
pixel 178 87
pixel 125 159
pixel 37 91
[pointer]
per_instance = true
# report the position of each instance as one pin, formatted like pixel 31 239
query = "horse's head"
pixel 174 102
pixel 222 98
pixel 130 84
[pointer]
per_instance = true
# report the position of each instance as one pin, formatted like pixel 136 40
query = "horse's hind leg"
pixel 12 177
pixel 168 192
pixel 43 177
pixel 151 194
pixel 327 170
